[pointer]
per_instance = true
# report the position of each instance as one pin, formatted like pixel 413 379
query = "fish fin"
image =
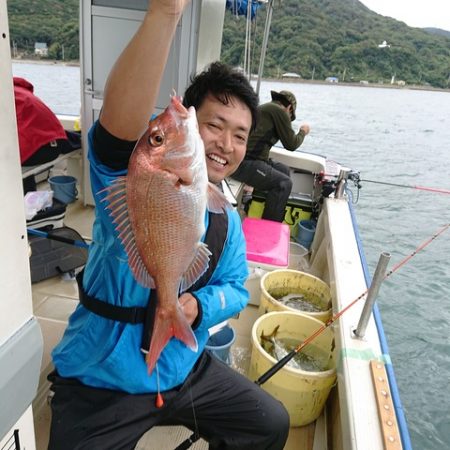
pixel 217 202
pixel 164 330
pixel 197 268
pixel 117 205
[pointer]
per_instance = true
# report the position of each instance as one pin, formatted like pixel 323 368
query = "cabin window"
pixel 140 5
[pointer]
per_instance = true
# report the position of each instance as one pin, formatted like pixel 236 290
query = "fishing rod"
pixel 282 362
pixel 55 237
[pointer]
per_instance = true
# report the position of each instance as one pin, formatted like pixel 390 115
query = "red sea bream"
pixel 159 211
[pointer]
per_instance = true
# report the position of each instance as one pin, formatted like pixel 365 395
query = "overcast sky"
pixel 415 13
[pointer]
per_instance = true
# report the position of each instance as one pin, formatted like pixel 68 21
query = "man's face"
pixel 224 130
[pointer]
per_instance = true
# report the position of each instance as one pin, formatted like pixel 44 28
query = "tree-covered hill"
pixel 54 22
pixel 340 38
pixel 314 38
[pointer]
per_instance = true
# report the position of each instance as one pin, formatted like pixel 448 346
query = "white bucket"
pixel 253 283
pixel 298 257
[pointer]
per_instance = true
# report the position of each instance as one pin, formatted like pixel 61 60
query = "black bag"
pixel 50 257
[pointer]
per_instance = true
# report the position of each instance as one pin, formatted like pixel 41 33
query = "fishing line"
pixel 282 362
pixel 195 436
pixel 355 177
pixel 420 188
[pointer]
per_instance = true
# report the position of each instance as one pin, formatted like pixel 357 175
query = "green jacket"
pixel 273 125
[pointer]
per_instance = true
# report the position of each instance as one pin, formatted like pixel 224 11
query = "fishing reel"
pixel 325 183
pixel 356 178
pixel 337 181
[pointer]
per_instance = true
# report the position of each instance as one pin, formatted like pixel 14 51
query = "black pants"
pixel 231 412
pixel 269 176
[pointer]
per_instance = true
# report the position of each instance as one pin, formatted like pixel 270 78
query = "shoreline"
pixel 46 62
pixel 414 87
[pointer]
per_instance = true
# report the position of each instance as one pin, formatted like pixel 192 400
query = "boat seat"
pixel 36 170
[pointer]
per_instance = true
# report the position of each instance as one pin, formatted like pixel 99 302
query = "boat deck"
pixel 54 300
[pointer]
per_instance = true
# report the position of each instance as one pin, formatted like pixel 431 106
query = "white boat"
pixel 363 410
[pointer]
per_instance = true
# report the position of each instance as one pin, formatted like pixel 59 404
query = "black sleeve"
pixel 110 150
pixel 199 317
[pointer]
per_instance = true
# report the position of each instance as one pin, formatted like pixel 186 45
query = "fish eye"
pixel 156 139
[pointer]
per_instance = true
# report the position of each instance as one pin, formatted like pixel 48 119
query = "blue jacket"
pixel 103 353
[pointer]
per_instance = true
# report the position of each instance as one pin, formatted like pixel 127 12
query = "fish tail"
pixel 163 330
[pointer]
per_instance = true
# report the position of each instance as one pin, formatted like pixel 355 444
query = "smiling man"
pixel 226 114
pixel 104 397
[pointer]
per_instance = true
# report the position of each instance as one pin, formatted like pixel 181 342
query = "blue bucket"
pixel 306 231
pixel 219 343
pixel 64 188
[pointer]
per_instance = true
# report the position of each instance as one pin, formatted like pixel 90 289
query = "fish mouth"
pixel 177 106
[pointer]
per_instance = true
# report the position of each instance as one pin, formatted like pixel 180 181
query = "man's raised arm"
pixel 133 84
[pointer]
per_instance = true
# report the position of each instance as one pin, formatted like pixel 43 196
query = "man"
pixel 257 169
pixel 104 397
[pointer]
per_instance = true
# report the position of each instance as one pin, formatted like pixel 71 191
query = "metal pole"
pixel 264 44
pixel 247 41
pixel 342 179
pixel 378 278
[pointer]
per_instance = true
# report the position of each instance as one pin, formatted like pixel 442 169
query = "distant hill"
pixel 54 22
pixel 341 38
pixel 317 38
pixel 438 31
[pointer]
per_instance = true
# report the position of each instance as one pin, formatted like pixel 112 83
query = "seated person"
pixel 42 138
pixel 257 169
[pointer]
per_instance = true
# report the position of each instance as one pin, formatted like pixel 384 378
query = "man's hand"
pixel 305 128
pixel 188 305
pixel 170 7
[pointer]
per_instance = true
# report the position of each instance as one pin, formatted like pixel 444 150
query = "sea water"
pixel 400 136
pixel 301 300
pixel 58 85
pixel 310 358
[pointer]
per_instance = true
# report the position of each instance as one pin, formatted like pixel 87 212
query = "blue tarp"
pixel 240 7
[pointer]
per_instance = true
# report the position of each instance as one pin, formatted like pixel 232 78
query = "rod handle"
pixel 275 368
